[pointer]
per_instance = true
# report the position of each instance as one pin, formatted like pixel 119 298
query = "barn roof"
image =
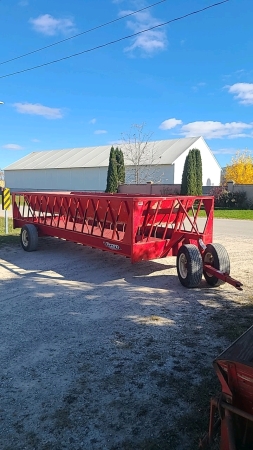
pixel 166 152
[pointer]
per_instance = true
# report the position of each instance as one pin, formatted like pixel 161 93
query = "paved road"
pixel 233 228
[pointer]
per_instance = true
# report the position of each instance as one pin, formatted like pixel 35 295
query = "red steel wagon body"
pixel 234 368
pixel 136 226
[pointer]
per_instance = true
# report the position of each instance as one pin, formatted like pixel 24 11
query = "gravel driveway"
pixel 99 354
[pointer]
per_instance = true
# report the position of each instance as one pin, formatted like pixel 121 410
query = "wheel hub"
pixel 183 266
pixel 25 239
pixel 208 259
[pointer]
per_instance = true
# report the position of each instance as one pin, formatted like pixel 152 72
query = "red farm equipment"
pixel 234 407
pixel 135 226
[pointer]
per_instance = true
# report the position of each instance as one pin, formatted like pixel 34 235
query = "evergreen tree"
pixel 198 160
pixel 192 174
pixel 183 190
pixel 120 165
pixel 112 175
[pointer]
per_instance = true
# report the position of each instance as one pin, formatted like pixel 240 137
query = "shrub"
pixel 166 191
pixel 225 199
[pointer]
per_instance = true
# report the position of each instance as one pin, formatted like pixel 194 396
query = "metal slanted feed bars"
pixel 135 226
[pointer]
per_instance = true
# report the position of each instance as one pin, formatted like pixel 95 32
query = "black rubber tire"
pixel 217 256
pixel 29 238
pixel 189 265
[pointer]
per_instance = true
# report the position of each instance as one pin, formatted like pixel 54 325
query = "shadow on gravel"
pixel 102 354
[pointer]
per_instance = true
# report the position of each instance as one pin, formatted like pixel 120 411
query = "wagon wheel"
pixel 29 238
pixel 189 265
pixel 216 255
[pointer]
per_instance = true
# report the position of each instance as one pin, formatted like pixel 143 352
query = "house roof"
pixel 166 152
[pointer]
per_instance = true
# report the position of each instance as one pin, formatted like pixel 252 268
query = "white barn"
pixel 86 168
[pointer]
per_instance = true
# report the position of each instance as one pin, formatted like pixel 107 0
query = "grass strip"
pixel 241 214
pixel 13 234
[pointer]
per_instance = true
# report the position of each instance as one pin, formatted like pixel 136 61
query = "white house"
pixel 86 168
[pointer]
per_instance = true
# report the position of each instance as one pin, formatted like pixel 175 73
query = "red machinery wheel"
pixel 217 256
pixel 189 265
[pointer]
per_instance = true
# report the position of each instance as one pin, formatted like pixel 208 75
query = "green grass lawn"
pixel 231 214
pixel 12 237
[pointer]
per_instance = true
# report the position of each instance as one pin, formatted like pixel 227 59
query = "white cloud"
pixel 225 151
pixel 23 3
pixel 217 130
pixel 93 121
pixel 50 26
pixel 242 92
pixel 198 86
pixel 38 110
pixel 12 147
pixel 210 129
pixel 150 41
pixel 35 140
pixel 169 124
pixel 100 132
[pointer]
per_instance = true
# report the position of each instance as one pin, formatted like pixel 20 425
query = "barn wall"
pixel 150 189
pixel 93 179
pixel 80 179
pixel 160 174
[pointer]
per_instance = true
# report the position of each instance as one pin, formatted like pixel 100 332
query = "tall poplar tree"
pixel 112 174
pixel 198 160
pixel 120 166
pixel 192 174
pixel 183 190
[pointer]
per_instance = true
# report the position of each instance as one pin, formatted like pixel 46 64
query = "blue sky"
pixel 192 77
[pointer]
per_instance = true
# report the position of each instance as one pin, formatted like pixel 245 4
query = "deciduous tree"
pixel 140 154
pixel 1 178
pixel 240 170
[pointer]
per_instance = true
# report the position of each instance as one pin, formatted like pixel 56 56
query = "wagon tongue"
pixel 223 276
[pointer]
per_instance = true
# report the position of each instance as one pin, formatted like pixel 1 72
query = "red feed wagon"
pixel 136 226
pixel 234 406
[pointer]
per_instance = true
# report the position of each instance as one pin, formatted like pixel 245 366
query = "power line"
pixel 115 41
pixel 83 32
